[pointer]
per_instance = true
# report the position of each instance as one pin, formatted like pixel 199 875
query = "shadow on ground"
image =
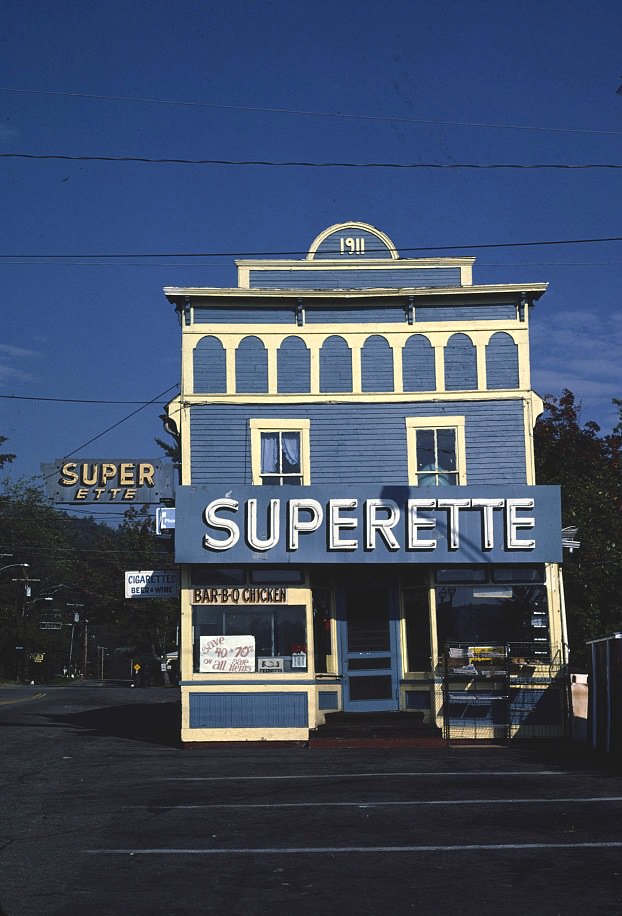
pixel 154 723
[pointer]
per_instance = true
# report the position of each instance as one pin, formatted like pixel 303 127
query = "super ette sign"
pixel 404 524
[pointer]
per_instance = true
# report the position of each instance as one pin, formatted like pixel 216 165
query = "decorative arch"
pixel 251 366
pixel 377 364
pixel 460 364
pixel 209 367
pixel 378 244
pixel 335 365
pixel 293 366
pixel 501 361
pixel 418 364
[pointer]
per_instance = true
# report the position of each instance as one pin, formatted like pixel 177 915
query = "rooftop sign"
pixel 375 524
pixel 108 480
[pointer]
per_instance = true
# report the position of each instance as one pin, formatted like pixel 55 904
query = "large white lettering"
pixel 514 522
pixel 297 525
pixel 488 532
pixel 221 524
pixel 337 522
pixel 252 537
pixel 384 524
pixel 415 522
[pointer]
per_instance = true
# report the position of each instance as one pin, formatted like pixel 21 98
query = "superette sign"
pixel 375 524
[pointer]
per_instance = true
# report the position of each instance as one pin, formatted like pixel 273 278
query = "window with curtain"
pixel 436 451
pixel 280 458
pixel 436 457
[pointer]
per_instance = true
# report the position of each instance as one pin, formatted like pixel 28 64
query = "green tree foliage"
pixel 80 564
pixel 5 457
pixel 588 466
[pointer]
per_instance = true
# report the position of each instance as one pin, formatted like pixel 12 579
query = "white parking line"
pixel 331 850
pixel 387 804
pixel 307 776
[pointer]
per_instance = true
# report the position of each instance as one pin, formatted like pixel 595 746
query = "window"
pixel 436 450
pixel 510 607
pixel 278 636
pixel 280 452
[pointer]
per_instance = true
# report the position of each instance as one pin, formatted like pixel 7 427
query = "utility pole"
pixel 76 619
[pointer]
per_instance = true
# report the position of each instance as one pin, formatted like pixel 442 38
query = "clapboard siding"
pixel 293 366
pixel 418 364
pixel 357 314
pixel 377 364
pixel 501 362
pixel 249 710
pixel 335 366
pixel 251 366
pixel 390 278
pixel 460 364
pixel 461 312
pixel 359 443
pixel 209 368
pixel 257 313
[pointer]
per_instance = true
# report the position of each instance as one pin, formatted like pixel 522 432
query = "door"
pixel 368 635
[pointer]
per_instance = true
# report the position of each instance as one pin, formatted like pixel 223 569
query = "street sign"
pixel 165 519
pixel 152 583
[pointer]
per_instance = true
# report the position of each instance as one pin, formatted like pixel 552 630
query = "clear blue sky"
pixel 445 82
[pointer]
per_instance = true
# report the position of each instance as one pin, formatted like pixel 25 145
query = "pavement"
pixel 104 813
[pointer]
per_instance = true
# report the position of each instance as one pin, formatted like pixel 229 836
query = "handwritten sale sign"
pixel 227 654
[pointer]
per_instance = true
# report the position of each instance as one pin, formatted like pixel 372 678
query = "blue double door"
pixel 368 633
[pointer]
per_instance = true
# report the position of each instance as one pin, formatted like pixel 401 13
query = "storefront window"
pixel 321 629
pixel 509 612
pixel 417 617
pixel 239 640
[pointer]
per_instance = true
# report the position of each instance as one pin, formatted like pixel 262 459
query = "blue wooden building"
pixel 358 523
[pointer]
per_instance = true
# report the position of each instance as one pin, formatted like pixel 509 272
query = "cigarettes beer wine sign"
pixel 379 524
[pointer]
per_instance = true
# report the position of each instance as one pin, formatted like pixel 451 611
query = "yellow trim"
pixel 439 422
pixel 435 293
pixel 357 227
pixel 408 397
pixel 258 426
pixel 356 338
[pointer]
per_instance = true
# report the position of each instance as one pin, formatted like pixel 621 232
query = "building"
pixel 358 523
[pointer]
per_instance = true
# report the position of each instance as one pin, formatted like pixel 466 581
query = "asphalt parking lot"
pixel 104 814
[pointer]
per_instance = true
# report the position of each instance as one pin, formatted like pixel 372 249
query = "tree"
pixel 588 466
pixel 80 563
pixel 5 458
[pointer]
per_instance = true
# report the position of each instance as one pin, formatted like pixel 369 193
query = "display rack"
pixel 476 693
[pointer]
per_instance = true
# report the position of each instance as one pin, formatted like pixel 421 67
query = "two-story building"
pixel 358 523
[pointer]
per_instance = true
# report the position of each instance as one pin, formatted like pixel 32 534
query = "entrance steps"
pixel 376 729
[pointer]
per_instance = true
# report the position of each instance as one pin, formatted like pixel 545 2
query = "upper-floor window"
pixel 436 450
pixel 280 452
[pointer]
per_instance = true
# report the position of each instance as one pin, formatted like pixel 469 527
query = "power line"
pixel 20 397
pixel 292 254
pixel 272 163
pixel 119 422
pixel 338 115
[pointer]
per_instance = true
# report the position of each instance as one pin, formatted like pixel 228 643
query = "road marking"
pixel 308 776
pixel 331 850
pixel 35 696
pixel 385 804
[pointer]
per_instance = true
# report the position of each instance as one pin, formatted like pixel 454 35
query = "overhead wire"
pixel 294 163
pixel 336 115
pixel 465 246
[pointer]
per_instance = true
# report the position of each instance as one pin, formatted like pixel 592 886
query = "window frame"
pixel 301 426
pixel 414 424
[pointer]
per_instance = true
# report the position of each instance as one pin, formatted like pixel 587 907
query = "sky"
pixel 89 245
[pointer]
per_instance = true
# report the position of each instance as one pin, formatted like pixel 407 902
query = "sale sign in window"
pixel 227 654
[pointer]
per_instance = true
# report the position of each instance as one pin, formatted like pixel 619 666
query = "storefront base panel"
pixel 225 715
